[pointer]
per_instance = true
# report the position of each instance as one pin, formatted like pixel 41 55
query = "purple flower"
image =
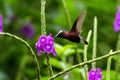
pixel 117 21
pixel 95 74
pixel 50 39
pixel 27 30
pixel 43 40
pixel 1 24
pixel 48 48
pixel 46 44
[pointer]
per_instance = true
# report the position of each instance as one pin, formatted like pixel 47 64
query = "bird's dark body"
pixel 74 33
pixel 70 36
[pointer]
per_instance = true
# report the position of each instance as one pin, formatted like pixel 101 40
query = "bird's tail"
pixel 84 41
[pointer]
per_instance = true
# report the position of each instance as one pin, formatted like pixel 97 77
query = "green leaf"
pixel 55 63
pixel 112 75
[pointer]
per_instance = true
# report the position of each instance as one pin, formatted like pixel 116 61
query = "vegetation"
pixel 25 21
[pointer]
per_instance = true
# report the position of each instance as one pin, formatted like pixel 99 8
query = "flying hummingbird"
pixel 74 33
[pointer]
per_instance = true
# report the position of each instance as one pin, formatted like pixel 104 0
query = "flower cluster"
pixel 117 21
pixel 27 30
pixel 46 44
pixel 95 74
pixel 1 23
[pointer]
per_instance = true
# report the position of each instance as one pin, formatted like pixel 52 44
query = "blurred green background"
pixel 16 62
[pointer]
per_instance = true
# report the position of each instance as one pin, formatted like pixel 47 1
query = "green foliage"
pixel 112 73
pixel 13 52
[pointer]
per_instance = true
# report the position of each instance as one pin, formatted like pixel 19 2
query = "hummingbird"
pixel 74 33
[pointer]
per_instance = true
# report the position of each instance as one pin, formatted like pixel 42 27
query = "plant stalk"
pixel 83 63
pixel 66 13
pixel 108 66
pixel 85 53
pixel 94 42
pixel 28 46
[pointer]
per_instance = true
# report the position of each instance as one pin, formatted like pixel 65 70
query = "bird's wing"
pixel 76 28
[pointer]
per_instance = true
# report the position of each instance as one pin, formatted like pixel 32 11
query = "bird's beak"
pixel 56 35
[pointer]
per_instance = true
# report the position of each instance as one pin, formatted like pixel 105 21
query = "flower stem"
pixel 85 54
pixel 43 31
pixel 118 58
pixel 94 42
pixel 66 13
pixel 49 65
pixel 28 46
pixel 108 66
pixel 83 63
pixel 43 24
